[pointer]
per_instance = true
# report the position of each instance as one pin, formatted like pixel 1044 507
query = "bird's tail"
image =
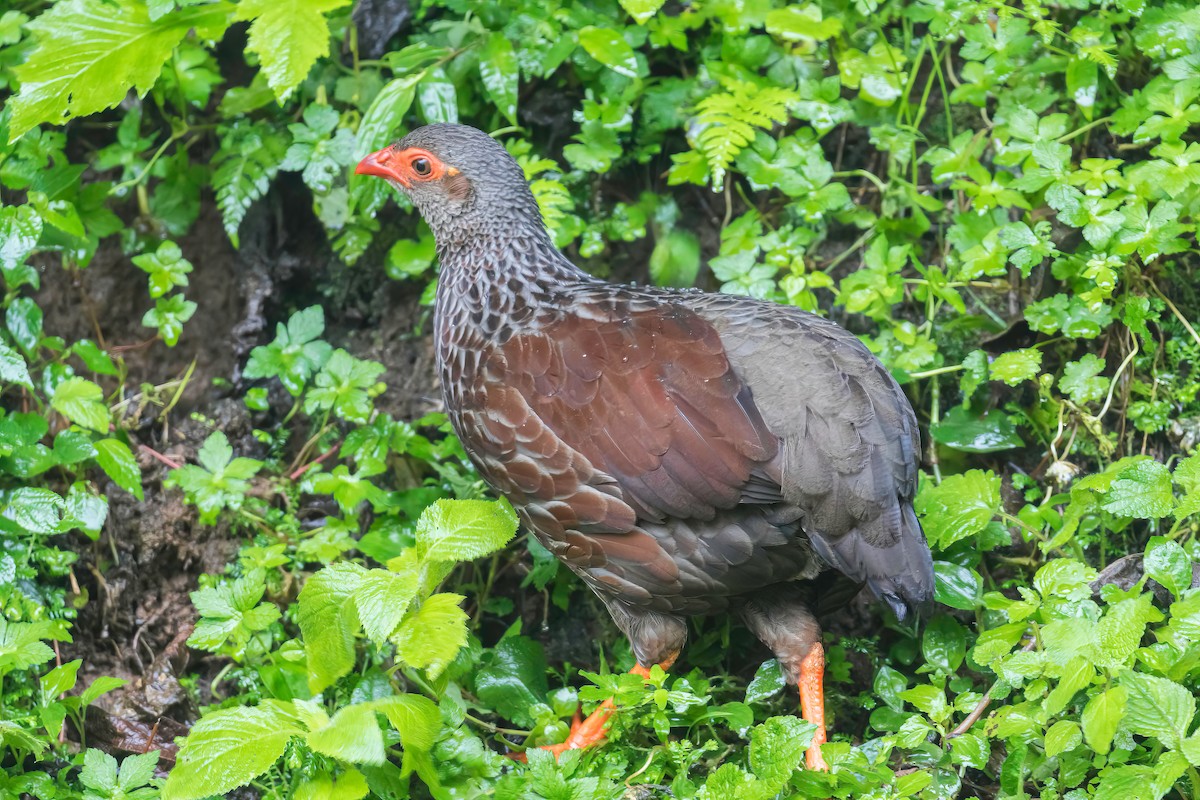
pixel 907 587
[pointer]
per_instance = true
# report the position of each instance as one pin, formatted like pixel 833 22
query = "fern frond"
pixel 246 163
pixel 726 121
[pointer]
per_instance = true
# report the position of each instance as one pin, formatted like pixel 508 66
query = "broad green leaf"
pixel 1101 716
pixel 328 622
pixel 500 73
pixel 767 683
pixel 1158 707
pixel 230 748
pixel 1141 490
pixel 642 10
pixel 288 36
pixel 1063 736
pixel 609 48
pixel 1167 562
pixel 462 530
pixel 956 586
pixel 414 717
pixel 382 598
pixel 961 506
pixel 89 54
pixel 117 461
pixel 13 368
pixel 513 679
pixel 987 433
pixel 82 402
pixel 352 735
pixel 432 637
pixel 797 23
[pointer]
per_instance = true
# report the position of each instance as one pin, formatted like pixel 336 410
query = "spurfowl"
pixel 683 453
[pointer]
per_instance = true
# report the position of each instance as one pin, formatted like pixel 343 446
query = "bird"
pixel 684 453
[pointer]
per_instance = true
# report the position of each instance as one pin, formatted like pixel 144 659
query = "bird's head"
pixel 460 179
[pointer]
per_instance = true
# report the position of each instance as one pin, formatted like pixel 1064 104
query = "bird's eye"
pixel 421 166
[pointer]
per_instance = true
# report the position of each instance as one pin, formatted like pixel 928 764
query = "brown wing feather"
pixel 650 400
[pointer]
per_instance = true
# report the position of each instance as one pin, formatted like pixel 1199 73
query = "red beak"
pixel 380 164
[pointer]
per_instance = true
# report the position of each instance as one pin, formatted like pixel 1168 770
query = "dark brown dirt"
pixel 139 574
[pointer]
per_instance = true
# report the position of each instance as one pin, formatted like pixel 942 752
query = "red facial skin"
pixel 405 167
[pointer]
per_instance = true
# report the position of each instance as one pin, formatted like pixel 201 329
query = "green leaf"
pixel 342 385
pixel 320 150
pixel 1167 562
pixel 776 748
pixel 82 402
pixel 296 354
pixel 21 645
pixel 13 368
pixel 328 622
pixel 767 683
pixel 1101 717
pixel 415 718
pixel 166 267
pixel 513 680
pixel 609 48
pixel 352 735
pixel 1158 707
pixel 231 612
pixel 382 599
pixel 90 53
pixel 215 758
pixel 115 458
pixel 288 36
pixel 500 73
pixel 1141 490
pixel 1016 366
pixel 960 507
pixel 463 530
pixel 432 637
pixel 642 10
pixel 987 433
pixel 727 120
pixel 1082 381
pixel 35 509
pixel 168 316
pixel 797 23
pixel 1062 737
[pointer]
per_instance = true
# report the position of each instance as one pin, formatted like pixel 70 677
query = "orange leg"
pixel 812 703
pixel 588 732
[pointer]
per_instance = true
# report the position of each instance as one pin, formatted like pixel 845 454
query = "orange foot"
pixel 812 704
pixel 590 731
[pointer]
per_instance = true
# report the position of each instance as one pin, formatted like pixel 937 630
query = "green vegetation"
pixel 1000 198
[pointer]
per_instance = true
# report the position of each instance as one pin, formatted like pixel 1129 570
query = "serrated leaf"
pixel 89 54
pixel 115 458
pixel 960 507
pixel 1141 490
pixel 328 621
pixel 288 36
pixel 82 402
pixel 352 735
pixel 462 530
pixel 432 637
pixel 1063 736
pixel 1016 366
pixel 1158 707
pixel 382 598
pixel 215 758
pixel 13 368
pixel 415 718
pixel 642 10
